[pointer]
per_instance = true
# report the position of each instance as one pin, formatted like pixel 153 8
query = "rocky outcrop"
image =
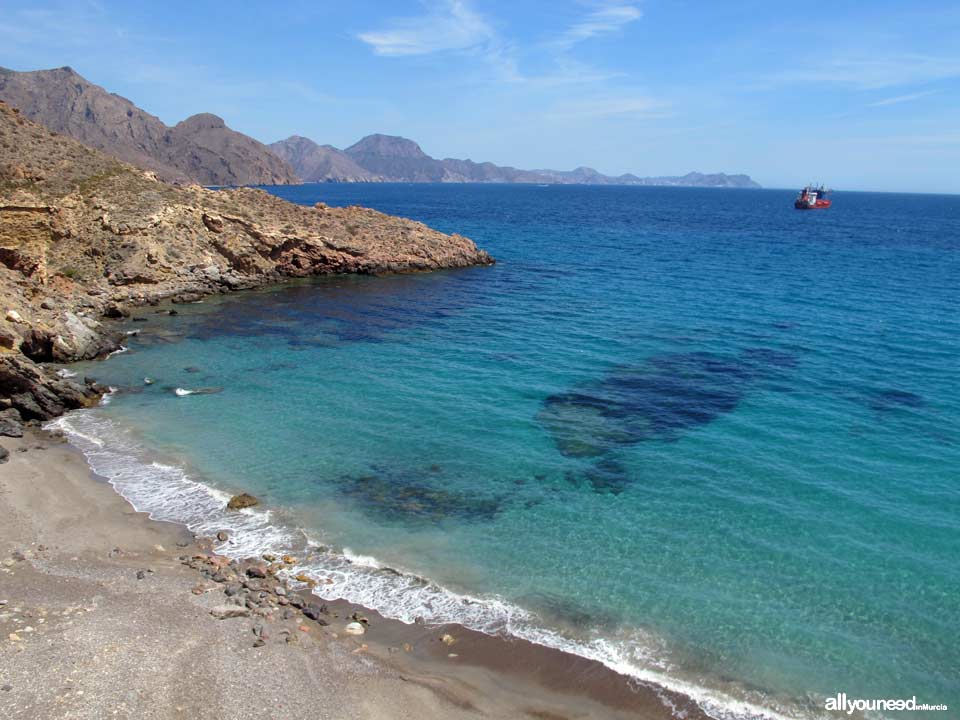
pixel 200 149
pixel 11 423
pixel 37 394
pixel 84 237
pixel 241 501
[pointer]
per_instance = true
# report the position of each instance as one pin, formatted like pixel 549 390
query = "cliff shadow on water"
pixel 657 400
pixel 341 309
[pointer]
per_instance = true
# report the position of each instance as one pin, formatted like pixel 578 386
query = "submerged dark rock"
pixel 888 399
pixel 415 496
pixel 660 400
pixel 567 611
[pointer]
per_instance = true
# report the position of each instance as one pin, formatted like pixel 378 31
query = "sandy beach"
pixel 100 617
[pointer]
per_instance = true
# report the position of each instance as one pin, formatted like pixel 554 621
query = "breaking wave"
pixel 168 492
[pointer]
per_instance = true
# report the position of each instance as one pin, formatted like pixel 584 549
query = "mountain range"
pixel 389 158
pixel 203 150
pixel 200 149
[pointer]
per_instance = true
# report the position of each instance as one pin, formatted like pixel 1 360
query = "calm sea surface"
pixel 699 435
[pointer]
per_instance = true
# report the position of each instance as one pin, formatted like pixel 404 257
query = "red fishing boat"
pixel 812 198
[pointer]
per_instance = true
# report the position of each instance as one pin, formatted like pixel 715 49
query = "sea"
pixel 706 439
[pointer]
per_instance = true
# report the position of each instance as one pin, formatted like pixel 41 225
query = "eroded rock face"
pixel 38 394
pixel 84 237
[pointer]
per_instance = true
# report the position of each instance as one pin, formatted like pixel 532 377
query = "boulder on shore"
pixel 243 500
pixel 38 394
pixel 11 424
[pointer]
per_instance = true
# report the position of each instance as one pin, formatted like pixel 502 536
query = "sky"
pixel 858 95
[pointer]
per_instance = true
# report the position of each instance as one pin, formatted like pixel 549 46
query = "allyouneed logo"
pixel 848 705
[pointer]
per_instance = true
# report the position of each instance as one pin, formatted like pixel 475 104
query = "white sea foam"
pixel 182 392
pixel 64 373
pixel 119 350
pixel 365 560
pixel 167 492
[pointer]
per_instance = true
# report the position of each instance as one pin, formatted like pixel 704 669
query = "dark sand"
pixel 82 637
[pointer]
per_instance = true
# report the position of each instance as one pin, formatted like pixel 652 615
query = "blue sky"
pixel 860 95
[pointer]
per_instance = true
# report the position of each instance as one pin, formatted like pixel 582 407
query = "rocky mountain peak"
pixel 388 146
pixel 320 163
pixel 202 121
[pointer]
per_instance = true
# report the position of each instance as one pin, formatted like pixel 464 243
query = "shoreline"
pixel 475 673
pixel 555 669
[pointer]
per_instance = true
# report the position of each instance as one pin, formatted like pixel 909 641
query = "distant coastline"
pixel 390 158
pixel 202 149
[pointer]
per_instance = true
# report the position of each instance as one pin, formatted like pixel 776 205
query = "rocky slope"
pixel 200 149
pixel 389 158
pixel 84 236
pixel 320 163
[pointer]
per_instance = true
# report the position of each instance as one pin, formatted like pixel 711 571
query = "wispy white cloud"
pixel 454 26
pixel 902 98
pixel 608 17
pixel 448 25
pixel 922 139
pixel 623 105
pixel 868 71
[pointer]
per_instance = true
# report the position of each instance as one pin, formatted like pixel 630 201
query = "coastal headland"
pixel 106 612
pixel 85 237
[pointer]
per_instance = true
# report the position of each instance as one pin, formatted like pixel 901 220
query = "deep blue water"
pixel 700 435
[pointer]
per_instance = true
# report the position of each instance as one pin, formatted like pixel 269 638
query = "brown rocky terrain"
pixel 200 149
pixel 84 236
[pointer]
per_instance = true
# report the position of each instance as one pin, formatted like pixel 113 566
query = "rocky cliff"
pixel 84 237
pixel 200 149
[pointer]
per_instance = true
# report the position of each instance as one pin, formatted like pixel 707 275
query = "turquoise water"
pixel 697 434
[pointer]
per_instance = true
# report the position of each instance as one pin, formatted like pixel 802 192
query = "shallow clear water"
pixel 695 433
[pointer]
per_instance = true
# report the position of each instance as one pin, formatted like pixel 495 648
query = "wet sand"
pixel 99 617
